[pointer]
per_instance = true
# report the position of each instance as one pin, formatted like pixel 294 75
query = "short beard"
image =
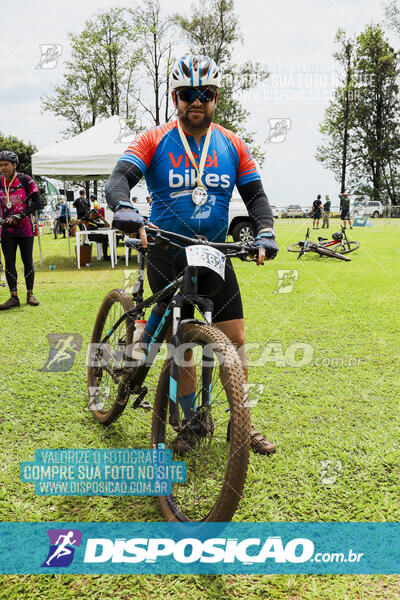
pixel 200 126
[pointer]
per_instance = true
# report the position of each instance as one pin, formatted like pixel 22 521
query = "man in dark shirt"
pixel 345 209
pixel 82 206
pixel 316 211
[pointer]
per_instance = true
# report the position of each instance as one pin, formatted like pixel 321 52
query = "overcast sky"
pixel 294 39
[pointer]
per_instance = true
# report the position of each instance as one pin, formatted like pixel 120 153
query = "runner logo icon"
pixel 61 552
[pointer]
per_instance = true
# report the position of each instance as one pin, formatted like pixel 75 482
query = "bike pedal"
pixel 138 403
pixel 145 405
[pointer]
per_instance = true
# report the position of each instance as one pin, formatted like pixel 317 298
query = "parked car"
pixel 293 210
pixel 275 212
pixel 367 208
pixel 307 212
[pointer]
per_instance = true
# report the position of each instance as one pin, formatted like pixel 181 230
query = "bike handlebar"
pixel 162 236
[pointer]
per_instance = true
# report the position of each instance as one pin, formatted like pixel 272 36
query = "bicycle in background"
pixel 337 247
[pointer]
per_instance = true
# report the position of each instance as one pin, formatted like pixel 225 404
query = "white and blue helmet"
pixel 194 70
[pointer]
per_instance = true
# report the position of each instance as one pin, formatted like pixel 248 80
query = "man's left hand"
pixel 267 248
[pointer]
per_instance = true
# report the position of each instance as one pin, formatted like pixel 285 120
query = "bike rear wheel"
pixel 346 248
pixel 107 398
pixel 215 468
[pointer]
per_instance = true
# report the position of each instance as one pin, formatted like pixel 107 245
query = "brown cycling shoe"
pixel 11 303
pixel 30 299
pixel 200 426
pixel 258 443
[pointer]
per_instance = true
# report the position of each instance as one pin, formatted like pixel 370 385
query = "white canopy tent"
pixel 87 156
pixel 90 155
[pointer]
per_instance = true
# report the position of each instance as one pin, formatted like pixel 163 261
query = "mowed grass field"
pixel 328 361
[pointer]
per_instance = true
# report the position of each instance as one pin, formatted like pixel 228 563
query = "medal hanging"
pixel 199 194
pixel 7 190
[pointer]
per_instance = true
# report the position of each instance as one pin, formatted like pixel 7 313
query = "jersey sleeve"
pixel 32 187
pixel 140 152
pixel 247 170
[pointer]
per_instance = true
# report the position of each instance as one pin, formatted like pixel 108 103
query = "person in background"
pixel 56 221
pixel 64 212
pixel 82 206
pixel 15 191
pixel 94 222
pixel 345 209
pixel 326 213
pixel 316 211
pixel 95 202
pixel 148 199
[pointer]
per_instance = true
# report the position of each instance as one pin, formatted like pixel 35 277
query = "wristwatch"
pixel 125 204
pixel 266 232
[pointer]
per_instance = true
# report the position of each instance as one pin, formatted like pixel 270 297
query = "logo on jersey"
pixel 189 177
pixel 203 212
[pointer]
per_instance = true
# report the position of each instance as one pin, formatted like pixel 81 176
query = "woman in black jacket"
pixel 15 190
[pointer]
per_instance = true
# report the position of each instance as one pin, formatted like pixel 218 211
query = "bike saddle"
pixel 321 239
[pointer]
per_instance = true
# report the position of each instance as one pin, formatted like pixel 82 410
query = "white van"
pixel 366 208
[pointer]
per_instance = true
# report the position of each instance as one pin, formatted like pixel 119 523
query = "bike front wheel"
pixel 296 247
pixel 216 467
pixel 106 362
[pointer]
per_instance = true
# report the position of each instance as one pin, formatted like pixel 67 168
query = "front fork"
pixel 188 295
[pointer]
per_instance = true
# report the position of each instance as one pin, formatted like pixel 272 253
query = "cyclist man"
pixel 15 190
pixel 191 166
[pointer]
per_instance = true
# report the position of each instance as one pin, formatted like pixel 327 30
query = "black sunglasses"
pixel 189 94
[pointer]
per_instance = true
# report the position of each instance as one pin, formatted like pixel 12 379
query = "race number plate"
pixel 206 256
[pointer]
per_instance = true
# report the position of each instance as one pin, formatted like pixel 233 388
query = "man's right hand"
pixel 127 220
pixel 13 220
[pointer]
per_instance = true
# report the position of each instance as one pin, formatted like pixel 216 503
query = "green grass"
pixel 317 412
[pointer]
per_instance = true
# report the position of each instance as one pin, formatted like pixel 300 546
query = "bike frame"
pixel 334 243
pixel 330 244
pixel 185 289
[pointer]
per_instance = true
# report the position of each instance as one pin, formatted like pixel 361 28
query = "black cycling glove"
pixel 268 243
pixel 127 218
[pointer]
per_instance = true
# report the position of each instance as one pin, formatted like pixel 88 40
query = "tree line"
pixel 121 62
pixel 361 126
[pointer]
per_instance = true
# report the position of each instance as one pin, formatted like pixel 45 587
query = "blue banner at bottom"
pixel 209 548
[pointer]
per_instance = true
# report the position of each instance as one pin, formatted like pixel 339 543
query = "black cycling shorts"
pixel 164 266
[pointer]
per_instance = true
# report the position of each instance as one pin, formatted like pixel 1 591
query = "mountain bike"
pixel 339 242
pixel 335 248
pixel 199 358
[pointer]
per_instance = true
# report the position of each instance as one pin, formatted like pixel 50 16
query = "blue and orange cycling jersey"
pixel 171 178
